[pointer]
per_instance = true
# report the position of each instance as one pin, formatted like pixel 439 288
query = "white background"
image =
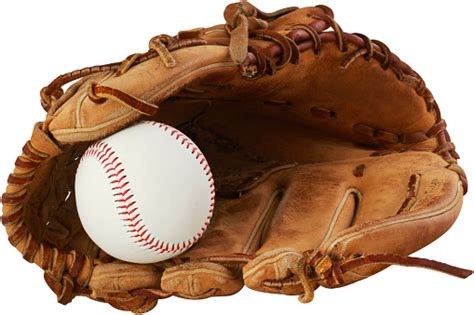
pixel 42 39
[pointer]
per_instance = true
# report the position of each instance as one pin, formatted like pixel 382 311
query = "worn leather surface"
pixel 321 154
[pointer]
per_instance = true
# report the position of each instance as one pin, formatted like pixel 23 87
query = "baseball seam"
pixel 125 201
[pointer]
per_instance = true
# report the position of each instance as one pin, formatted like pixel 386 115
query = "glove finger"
pixel 115 283
pixel 326 207
pixel 126 302
pixel 428 206
pixel 197 280
pixel 316 201
pixel 223 239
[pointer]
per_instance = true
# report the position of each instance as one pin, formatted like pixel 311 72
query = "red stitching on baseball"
pixel 122 193
pixel 126 206
pixel 113 163
pixel 124 199
pixel 128 212
pixel 101 157
pixel 108 157
pixel 116 174
pixel 103 153
pixel 117 181
pixel 121 186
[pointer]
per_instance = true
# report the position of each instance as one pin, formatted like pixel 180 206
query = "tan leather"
pixel 330 156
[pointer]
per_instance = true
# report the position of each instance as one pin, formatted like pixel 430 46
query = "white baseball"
pixel 145 193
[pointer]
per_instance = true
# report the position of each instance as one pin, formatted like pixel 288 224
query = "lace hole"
pixel 93 97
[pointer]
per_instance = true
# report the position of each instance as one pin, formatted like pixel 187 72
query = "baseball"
pixel 145 193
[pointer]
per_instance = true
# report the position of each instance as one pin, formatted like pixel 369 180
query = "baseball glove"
pixel 330 157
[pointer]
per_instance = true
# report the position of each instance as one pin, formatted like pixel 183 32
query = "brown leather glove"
pixel 330 156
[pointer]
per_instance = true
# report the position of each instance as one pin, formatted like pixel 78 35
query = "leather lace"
pixel 316 269
pixel 330 271
pixel 244 22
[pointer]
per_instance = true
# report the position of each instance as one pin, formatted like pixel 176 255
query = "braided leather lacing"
pixel 244 21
